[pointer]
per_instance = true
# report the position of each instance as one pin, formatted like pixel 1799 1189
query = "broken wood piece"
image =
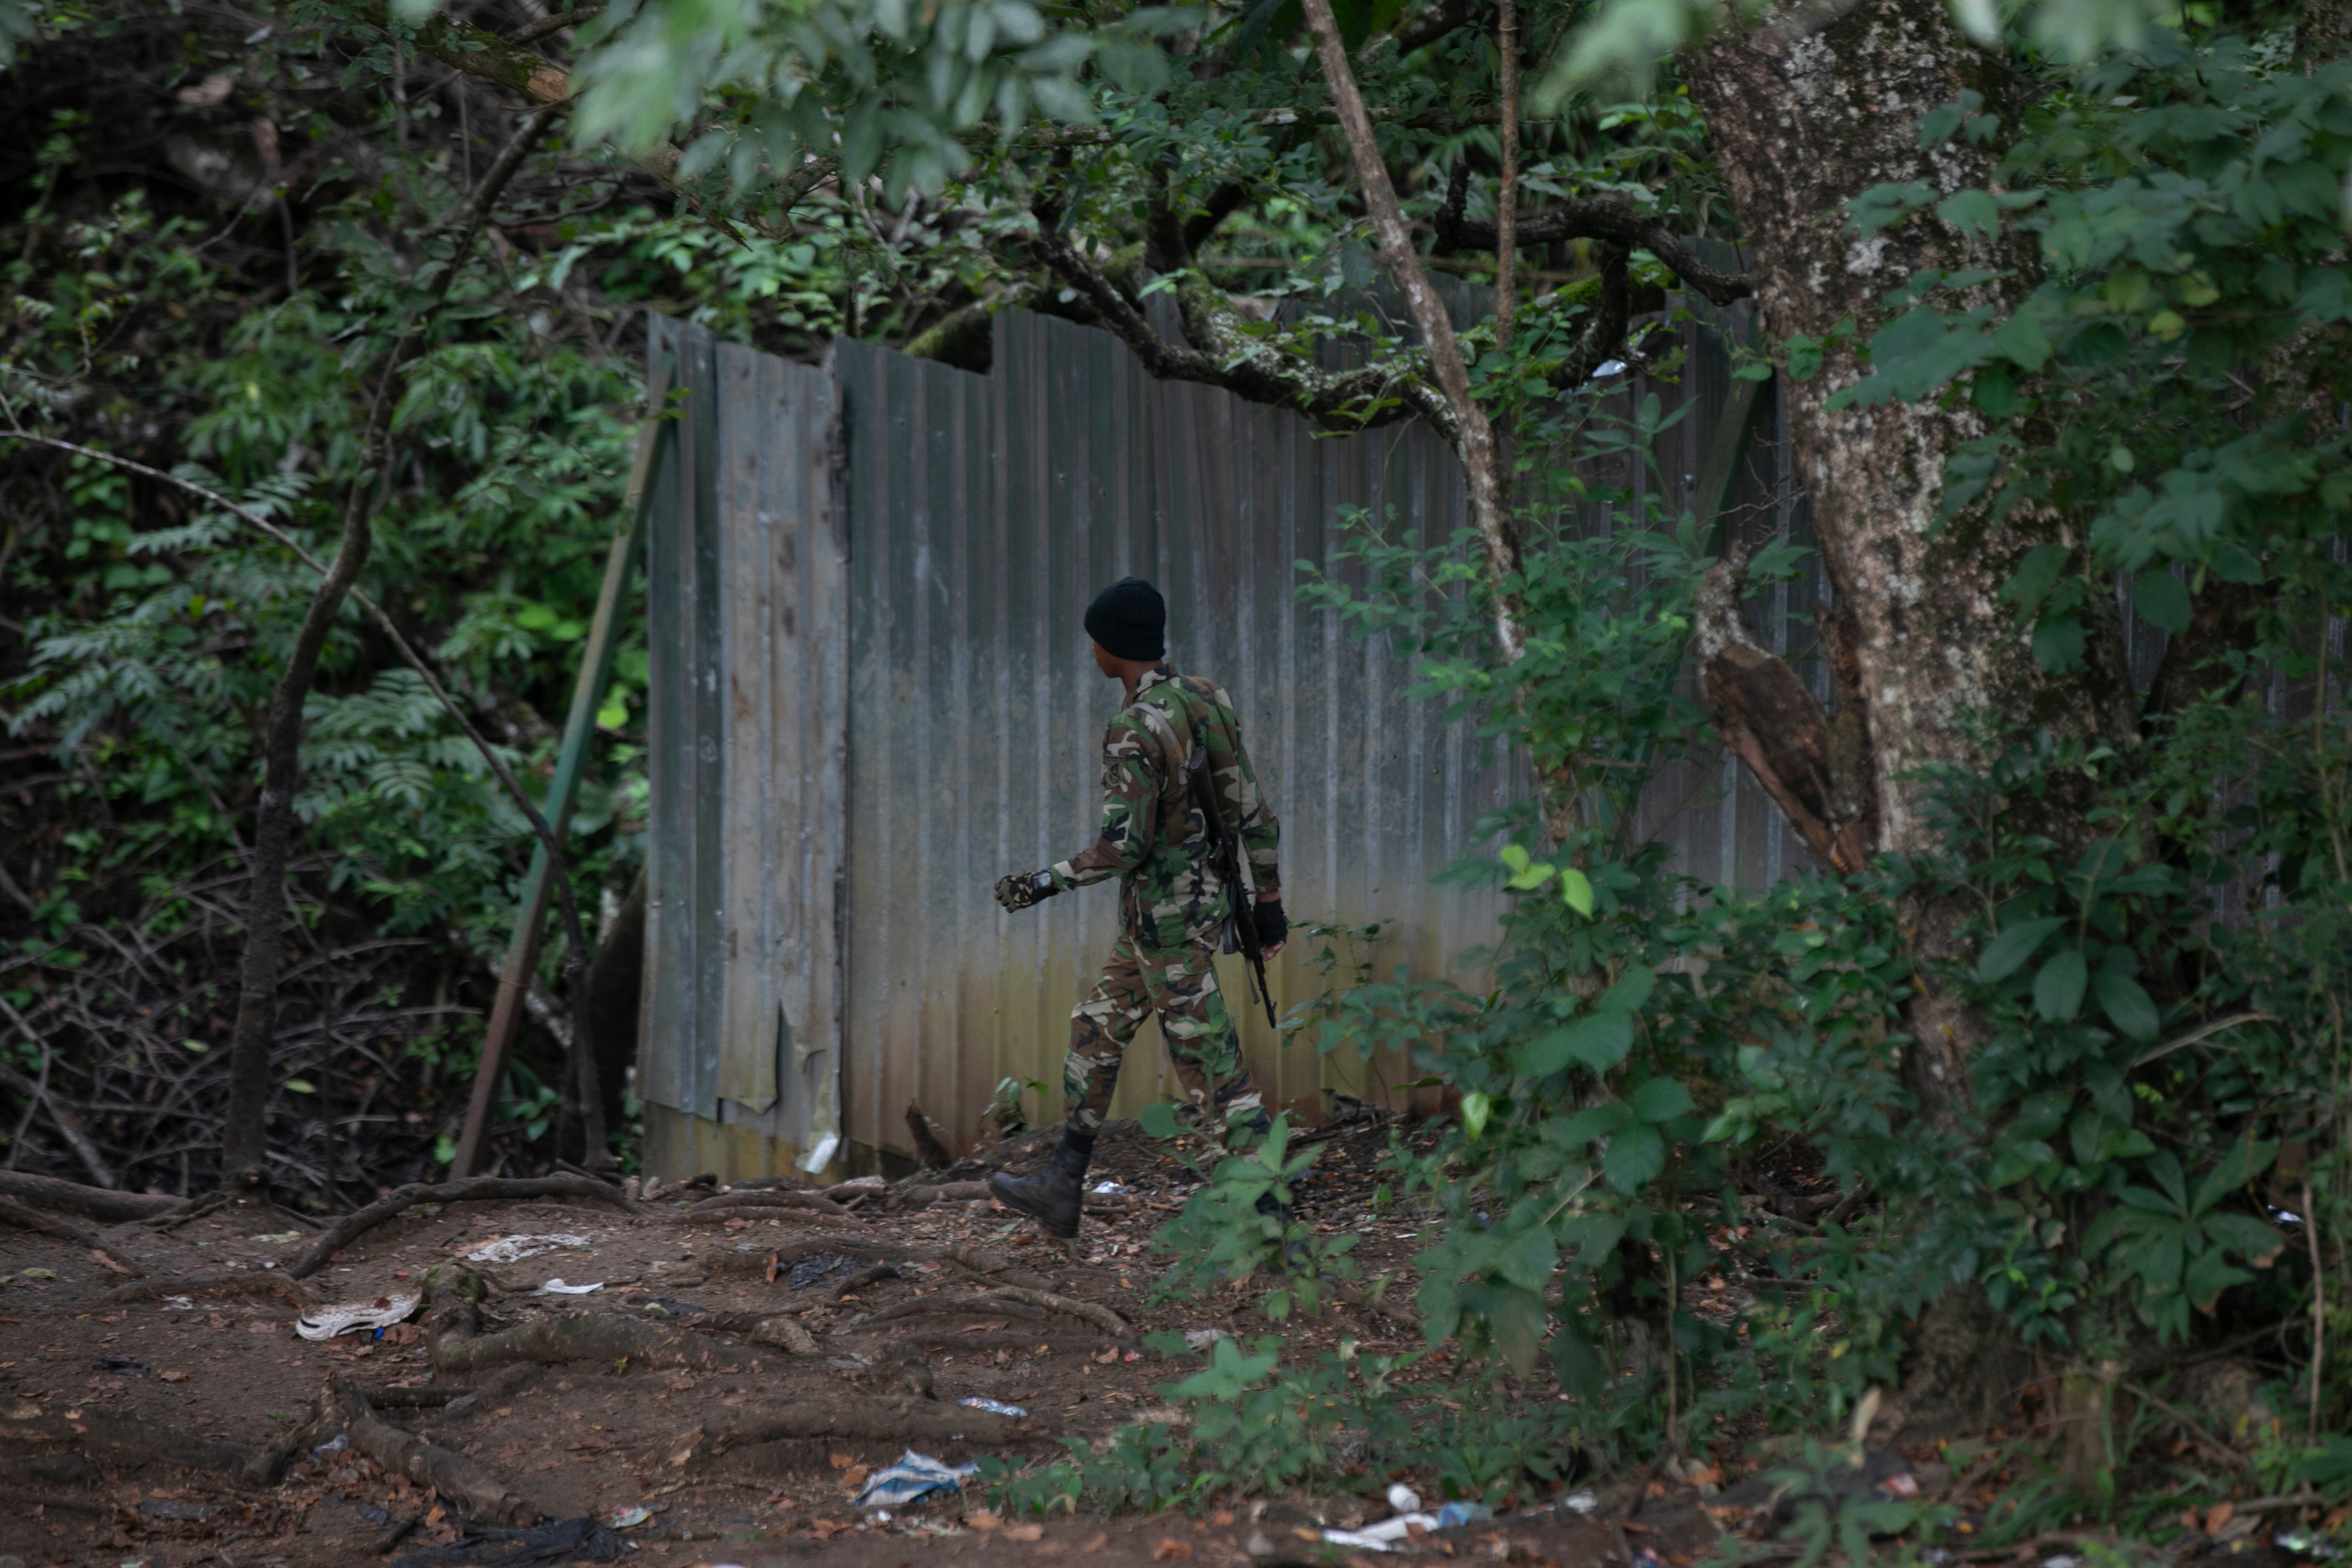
pixel 470 1189
pixel 472 1490
pixel 892 1418
pixel 952 1338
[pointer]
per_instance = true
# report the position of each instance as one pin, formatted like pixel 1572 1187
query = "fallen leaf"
pixel 1098 1543
pixel 1024 1532
pixel 772 1269
pixel 97 1255
pixel 1221 1518
pixel 173 1376
pixel 2219 1515
pixel 854 1476
pixel 983 1520
pixel 841 1461
pixel 2190 1520
pixel 1108 1357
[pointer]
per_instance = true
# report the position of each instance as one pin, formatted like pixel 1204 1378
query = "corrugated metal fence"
pixel 874 697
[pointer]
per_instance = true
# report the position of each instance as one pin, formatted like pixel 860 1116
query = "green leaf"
pixel 2058 989
pixel 2058 643
pixel 1971 213
pixel 301 1086
pixel 1634 1157
pixel 1630 992
pixel 1660 1100
pixel 2162 601
pixel 1580 1370
pixel 1475 1109
pixel 1598 1040
pixel 1159 1119
pixel 1576 891
pixel 2036 575
pixel 2007 954
pixel 2128 1005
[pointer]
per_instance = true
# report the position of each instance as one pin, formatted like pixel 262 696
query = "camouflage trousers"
pixel 1180 984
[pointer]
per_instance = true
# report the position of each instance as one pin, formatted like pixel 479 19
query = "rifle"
pixel 1224 863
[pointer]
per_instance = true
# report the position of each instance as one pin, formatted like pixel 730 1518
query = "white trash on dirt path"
pixel 341 1319
pixel 515 1248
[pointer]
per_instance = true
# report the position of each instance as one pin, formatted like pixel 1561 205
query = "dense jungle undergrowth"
pixel 2012 1130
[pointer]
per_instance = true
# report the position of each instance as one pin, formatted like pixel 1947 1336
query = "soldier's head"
pixel 1128 623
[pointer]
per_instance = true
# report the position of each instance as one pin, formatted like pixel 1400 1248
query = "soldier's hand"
pixel 1272 926
pixel 1018 892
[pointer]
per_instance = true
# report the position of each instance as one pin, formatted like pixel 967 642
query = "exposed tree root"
pixel 942 1302
pixel 791 1249
pixel 194 1208
pixel 904 1333
pixel 606 1336
pixel 1101 1317
pixel 894 1418
pixel 32 1219
pixel 472 1490
pixel 779 1198
pixel 91 1203
pixel 261 1282
pixel 920 1196
pixel 764 1328
pixel 55 1467
pixel 119 1440
pixel 473 1189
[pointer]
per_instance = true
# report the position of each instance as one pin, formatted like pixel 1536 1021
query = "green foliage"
pixel 2186 205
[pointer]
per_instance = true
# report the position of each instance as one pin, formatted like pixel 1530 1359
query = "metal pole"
pixel 570 762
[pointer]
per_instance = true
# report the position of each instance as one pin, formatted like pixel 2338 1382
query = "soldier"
pixel 1172 910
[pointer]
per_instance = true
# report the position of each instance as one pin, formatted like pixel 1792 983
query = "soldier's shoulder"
pixel 1199 690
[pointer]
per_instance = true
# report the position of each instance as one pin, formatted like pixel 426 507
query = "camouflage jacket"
pixel 1153 836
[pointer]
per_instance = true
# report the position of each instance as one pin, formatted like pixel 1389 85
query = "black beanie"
pixel 1129 620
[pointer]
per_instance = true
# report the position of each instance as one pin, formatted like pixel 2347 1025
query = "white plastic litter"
pixel 1108 1186
pixel 1383 1536
pixel 629 1518
pixel 1404 1499
pixel 1580 1503
pixel 822 1156
pixel 914 1475
pixel 515 1248
pixel 993 1406
pixel 558 1288
pixel 341 1319
pixel 1202 1339
pixel 179 1304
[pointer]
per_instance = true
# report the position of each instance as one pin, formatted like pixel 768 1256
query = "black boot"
pixel 1055 1195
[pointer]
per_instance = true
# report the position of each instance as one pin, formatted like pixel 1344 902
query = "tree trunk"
pixel 246 1129
pixel 1801 122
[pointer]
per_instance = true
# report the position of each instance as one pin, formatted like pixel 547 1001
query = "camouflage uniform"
pixel 1171 911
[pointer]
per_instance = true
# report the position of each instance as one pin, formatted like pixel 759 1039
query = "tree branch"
pixel 1473 436
pixel 1621 224
pixel 1227 357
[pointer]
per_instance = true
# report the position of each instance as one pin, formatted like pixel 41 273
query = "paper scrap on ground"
pixel 914 1475
pixel 1383 1536
pixel 277 1236
pixel 995 1407
pixel 558 1288
pixel 382 1312
pixel 515 1248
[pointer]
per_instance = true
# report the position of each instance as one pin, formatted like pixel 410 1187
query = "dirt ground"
pixel 223 1364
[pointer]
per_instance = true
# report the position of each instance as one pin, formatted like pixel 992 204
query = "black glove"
pixel 1018 892
pixel 1273 925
